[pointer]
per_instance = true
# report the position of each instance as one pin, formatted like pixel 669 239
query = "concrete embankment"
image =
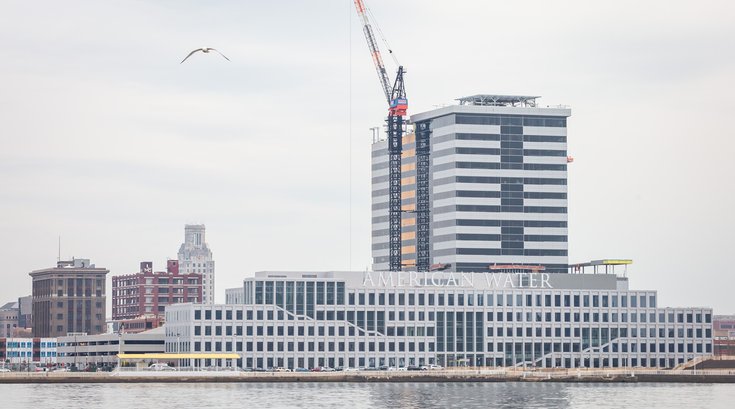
pixel 376 376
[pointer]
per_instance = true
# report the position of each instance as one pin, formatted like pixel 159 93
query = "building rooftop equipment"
pixel 607 264
pixel 499 100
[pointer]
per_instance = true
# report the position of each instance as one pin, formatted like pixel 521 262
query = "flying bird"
pixel 205 50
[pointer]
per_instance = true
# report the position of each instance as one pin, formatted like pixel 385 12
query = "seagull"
pixel 205 50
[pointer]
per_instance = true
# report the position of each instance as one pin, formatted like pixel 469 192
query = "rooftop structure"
pixel 599 266
pixel 499 100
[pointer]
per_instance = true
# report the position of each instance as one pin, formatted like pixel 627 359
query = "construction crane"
pixel 397 106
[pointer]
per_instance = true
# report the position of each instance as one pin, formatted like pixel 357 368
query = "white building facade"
pixel 371 319
pixel 196 257
pixel 235 295
pixel 21 351
pixel 83 350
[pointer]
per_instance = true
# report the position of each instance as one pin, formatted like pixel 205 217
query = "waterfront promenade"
pixel 448 375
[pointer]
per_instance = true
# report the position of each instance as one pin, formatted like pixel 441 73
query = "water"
pixel 367 395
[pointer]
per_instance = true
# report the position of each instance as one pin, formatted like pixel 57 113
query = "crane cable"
pixel 349 136
pixel 382 36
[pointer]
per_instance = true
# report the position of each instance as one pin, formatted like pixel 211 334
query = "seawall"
pixel 372 376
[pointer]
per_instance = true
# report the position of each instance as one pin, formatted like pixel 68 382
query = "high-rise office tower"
pixel 196 257
pixel 70 297
pixel 497 187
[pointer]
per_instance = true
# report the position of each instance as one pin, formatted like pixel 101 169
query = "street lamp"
pixel 75 350
pixel 120 342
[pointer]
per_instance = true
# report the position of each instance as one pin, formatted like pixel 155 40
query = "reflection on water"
pixel 367 395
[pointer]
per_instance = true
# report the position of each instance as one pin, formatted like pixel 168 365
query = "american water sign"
pixel 396 279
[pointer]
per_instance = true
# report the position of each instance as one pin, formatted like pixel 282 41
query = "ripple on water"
pixel 367 395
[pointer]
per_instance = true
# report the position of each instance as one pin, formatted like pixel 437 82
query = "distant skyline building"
pixel 497 187
pixel 25 312
pixel 139 300
pixel 70 297
pixel 8 319
pixel 196 257
pixel 235 295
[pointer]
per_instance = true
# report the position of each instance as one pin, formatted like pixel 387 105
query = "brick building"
pixel 147 293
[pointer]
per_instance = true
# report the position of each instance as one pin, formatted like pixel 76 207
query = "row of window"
pixel 359 317
pixel 498 194
pixel 499 237
pixel 499 165
pixel 501 209
pixel 480 223
pixel 322 346
pixel 28 354
pixel 508 249
pixel 597 333
pixel 449 331
pixel 499 299
pixel 539 349
pixel 500 223
pixel 527 349
pixel 491 119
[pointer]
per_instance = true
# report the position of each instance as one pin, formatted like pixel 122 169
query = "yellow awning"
pixel 179 356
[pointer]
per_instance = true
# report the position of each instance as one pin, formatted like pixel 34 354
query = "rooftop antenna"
pixel 58 258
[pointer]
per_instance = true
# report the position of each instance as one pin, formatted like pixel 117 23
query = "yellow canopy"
pixel 179 356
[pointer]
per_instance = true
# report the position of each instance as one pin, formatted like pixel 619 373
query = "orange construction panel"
pixel 408 235
pixel 410 180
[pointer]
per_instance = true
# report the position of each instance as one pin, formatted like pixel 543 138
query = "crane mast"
pixel 397 106
pixel 374 50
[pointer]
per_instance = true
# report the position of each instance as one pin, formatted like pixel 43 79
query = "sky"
pixel 108 142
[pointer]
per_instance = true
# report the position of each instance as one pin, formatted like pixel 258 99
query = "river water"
pixel 367 395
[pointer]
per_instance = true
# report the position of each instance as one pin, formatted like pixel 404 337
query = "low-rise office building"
pixel 21 351
pixel 84 350
pixel 503 319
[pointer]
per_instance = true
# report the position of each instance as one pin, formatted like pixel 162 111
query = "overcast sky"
pixel 106 140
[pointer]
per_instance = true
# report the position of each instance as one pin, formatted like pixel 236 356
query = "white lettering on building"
pixel 395 279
